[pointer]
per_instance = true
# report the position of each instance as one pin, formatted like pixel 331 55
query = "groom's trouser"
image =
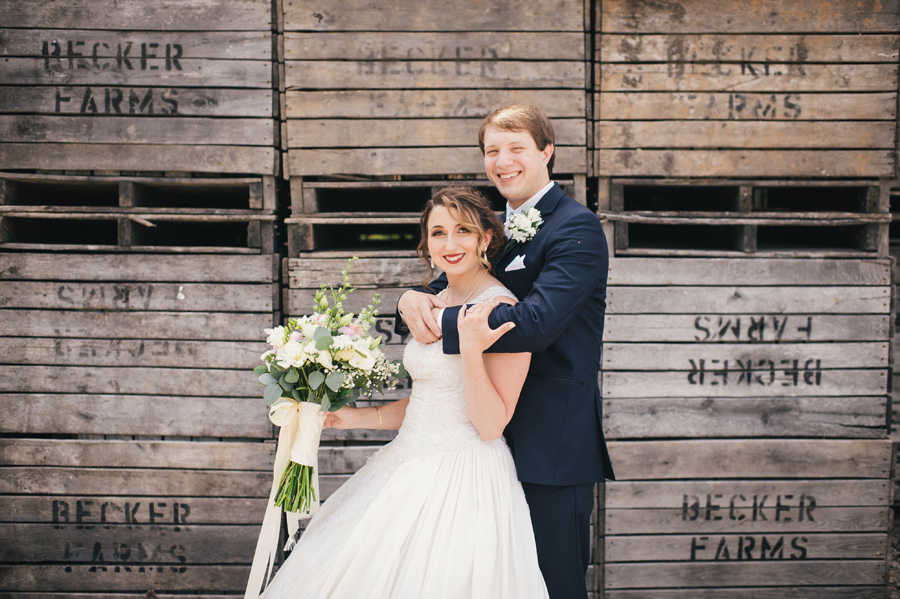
pixel 561 517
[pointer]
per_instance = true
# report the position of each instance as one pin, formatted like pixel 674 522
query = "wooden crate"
pixel 177 87
pixel 176 214
pixel 400 89
pixel 746 404
pixel 688 90
pixel 135 447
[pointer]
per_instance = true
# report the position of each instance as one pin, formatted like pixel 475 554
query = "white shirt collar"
pixel 530 202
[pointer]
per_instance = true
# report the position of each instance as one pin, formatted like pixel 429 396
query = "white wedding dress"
pixel 436 513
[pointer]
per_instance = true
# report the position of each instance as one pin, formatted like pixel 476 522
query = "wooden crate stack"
pixel 744 159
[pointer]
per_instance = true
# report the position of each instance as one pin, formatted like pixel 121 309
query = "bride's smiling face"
pixel 454 246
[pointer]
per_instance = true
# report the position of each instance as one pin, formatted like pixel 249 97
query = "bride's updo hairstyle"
pixel 470 208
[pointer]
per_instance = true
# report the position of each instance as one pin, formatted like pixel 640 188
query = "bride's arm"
pixel 492 381
pixel 391 417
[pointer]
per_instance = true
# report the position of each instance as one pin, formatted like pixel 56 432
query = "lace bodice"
pixel 437 418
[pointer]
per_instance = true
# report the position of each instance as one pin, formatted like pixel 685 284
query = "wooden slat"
pixel 137 578
pixel 329 74
pixel 140 510
pixel 745 106
pixel 120 414
pixel 433 45
pixel 332 133
pixel 835 417
pixel 852 592
pixel 396 15
pixel 130 268
pixel 149 157
pixel 409 161
pixel 750 49
pixel 245 326
pixel 670 356
pixel 136 130
pixel 661 575
pixel 299 302
pixel 166 15
pixel 751 459
pixel 811 546
pixel 745 134
pixel 671 495
pixel 762 327
pixel 748 163
pixel 735 300
pixel 713 77
pixel 208 102
pixel 311 271
pixel 219 297
pixel 794 378
pixel 762 271
pixel 426 103
pixel 770 16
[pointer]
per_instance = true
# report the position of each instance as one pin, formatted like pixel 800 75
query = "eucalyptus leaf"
pixel 261 369
pixel 284 384
pixel 326 404
pixel 335 380
pixel 276 370
pixel 316 378
pixel 320 332
pixel 402 374
pixel 292 376
pixel 272 393
pixel 268 379
pixel 324 342
pixel 296 394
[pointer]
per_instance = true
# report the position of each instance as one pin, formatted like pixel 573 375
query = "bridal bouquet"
pixel 319 363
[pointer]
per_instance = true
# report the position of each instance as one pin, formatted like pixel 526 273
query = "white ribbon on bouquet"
pixel 301 428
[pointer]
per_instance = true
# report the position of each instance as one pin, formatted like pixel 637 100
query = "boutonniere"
pixel 523 226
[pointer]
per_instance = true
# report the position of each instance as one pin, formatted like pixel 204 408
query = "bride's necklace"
pixel 473 288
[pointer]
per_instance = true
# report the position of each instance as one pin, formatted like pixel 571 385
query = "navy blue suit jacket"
pixel 556 433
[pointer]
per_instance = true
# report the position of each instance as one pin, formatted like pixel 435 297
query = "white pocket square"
pixel 518 263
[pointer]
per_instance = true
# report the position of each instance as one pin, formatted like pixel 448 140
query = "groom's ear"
pixel 548 153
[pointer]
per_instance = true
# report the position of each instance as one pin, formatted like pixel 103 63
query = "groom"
pixel 559 274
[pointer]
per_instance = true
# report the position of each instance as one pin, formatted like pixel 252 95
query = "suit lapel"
pixel 546 205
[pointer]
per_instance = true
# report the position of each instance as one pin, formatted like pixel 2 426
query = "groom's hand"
pixel 415 308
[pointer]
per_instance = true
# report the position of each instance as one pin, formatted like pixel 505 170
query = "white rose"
pixel 365 362
pixel 275 337
pixel 324 358
pixel 292 354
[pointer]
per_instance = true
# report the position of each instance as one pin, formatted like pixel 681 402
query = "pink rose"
pixel 295 336
pixel 351 330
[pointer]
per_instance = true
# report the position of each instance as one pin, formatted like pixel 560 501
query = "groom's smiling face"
pixel 514 164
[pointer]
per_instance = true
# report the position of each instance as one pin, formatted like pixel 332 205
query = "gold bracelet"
pixel 380 421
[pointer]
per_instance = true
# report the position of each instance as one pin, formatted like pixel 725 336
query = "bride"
pixel 438 512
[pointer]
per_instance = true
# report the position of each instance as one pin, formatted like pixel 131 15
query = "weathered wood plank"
pixel 411 161
pixel 120 414
pixel 94 510
pixel 718 497
pixel 125 352
pixel 745 106
pixel 751 459
pixel 127 46
pixel 206 455
pixel 130 268
pixel 128 545
pixel 100 595
pixel 745 163
pixel 808 546
pixel 788 378
pixel 671 356
pixel 136 130
pixel 396 15
pixel 344 460
pixel 311 271
pixel 715 77
pixel 245 326
pixel 329 74
pixel 848 417
pixel 433 45
pixel 148 157
pixel 770 16
pixel 427 103
pixel 735 300
pixel 749 49
pixel 136 578
pixel 201 72
pixel 725 271
pixel 157 295
pixel 206 102
pixel 299 302
pixel 207 382
pixel 854 592
pixel 762 327
pixel 744 134
pixel 167 15
pixel 693 521
pixel 30 480
pixel 662 575
pixel 328 133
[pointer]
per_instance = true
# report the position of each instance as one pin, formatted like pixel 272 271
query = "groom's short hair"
pixel 521 117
